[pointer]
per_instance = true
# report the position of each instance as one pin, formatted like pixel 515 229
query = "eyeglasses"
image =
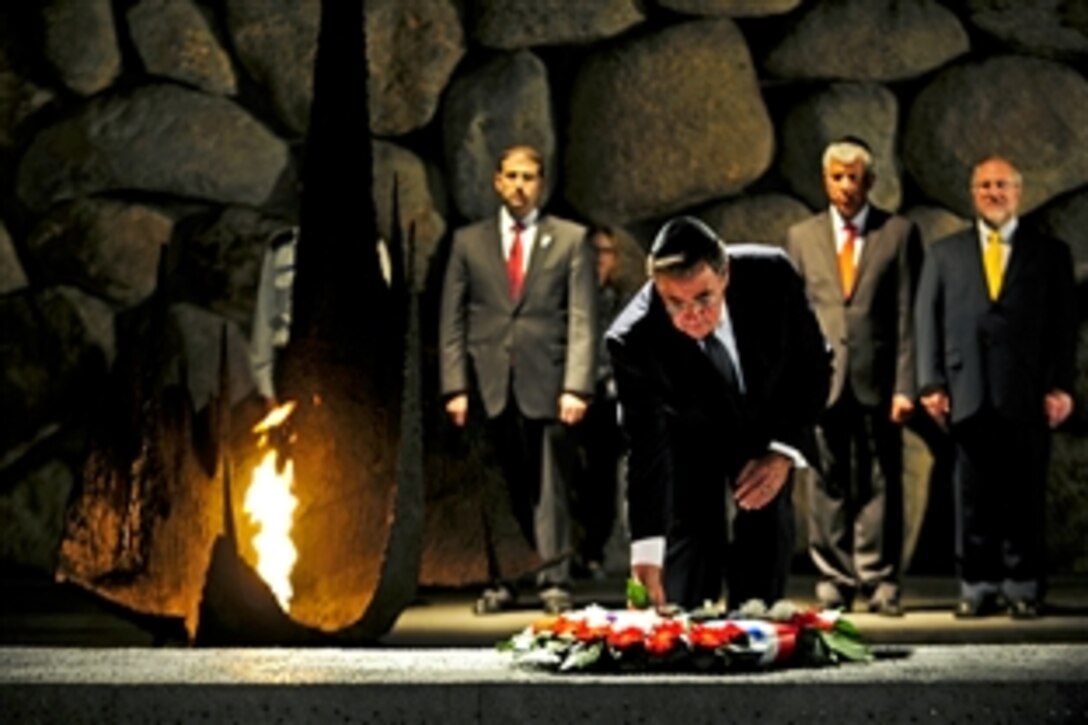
pixel 700 304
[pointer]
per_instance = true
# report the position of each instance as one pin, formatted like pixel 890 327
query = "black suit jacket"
pixel 686 431
pixel 1010 352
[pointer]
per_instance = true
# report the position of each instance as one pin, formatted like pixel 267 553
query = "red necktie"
pixel 514 271
pixel 847 270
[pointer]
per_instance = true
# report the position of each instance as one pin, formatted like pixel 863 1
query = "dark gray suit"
pixel 521 355
pixel 997 361
pixel 855 516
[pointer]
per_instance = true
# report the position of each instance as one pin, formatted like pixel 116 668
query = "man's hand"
pixel 936 404
pixel 761 479
pixel 1058 404
pixel 902 406
pixel 650 577
pixel 571 408
pixel 457 407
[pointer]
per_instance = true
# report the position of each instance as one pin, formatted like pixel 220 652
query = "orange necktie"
pixel 847 268
pixel 514 271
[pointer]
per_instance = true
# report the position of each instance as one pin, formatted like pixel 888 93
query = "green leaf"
pixel 582 656
pixel 845 646
pixel 637 594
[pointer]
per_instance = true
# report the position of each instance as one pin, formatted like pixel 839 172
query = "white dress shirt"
pixel 528 234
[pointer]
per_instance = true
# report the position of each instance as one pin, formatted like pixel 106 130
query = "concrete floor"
pixel 67 658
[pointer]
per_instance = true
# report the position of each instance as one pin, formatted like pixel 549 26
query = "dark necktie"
pixel 718 355
pixel 514 264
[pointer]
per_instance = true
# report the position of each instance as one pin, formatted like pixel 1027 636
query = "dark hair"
pixel 526 149
pixel 684 244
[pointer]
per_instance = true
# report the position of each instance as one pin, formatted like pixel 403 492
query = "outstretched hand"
pixel 650 576
pixel 761 479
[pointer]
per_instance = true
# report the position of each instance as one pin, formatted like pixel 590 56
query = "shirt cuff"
pixel 790 452
pixel 648 551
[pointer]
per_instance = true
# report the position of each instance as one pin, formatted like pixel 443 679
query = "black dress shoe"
pixel 1024 609
pixel 496 598
pixel 555 600
pixel 886 607
pixel 967 609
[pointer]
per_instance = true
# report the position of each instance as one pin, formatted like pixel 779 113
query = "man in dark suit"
pixel 518 318
pixel 860 265
pixel 996 340
pixel 721 372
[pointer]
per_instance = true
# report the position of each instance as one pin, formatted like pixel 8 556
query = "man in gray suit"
pixel 996 345
pixel 860 265
pixel 517 321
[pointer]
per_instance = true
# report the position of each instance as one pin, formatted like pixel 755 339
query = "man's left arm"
pixel 909 270
pixel 1061 335
pixel 806 377
pixel 579 372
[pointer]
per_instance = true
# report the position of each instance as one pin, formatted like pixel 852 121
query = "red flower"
pixel 704 636
pixel 584 632
pixel 565 626
pixel 625 638
pixel 811 619
pixel 664 636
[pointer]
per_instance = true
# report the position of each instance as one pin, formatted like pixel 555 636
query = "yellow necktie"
pixel 993 262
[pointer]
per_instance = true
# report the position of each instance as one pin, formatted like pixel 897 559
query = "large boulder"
pixel 276 42
pixel 421 202
pixel 161 139
pixel 1067 219
pixel 12 276
pixel 866 110
pixel 664 121
pixel 109 248
pixel 506 101
pixel 81 43
pixel 219 260
pixel 413 47
pixel 514 24
pixel 20 98
pixel 732 8
pixel 955 121
pixel 174 41
pixel 32 516
pixel 760 218
pixel 50 362
pixel 1055 29
pixel 866 40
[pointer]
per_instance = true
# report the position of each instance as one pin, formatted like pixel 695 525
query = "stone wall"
pixel 134 128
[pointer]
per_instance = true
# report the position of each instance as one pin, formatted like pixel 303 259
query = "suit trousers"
pixel 754 562
pixel 856 502
pixel 1000 500
pixel 601 445
pixel 538 460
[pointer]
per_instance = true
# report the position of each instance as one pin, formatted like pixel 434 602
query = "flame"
pixel 270 505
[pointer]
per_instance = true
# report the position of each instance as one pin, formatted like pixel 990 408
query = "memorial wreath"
pixel 596 639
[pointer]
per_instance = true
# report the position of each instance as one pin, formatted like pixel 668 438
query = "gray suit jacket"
pixel 871 335
pixel 534 348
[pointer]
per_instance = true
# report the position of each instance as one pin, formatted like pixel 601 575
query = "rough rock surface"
pixel 965 113
pixel 697 128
